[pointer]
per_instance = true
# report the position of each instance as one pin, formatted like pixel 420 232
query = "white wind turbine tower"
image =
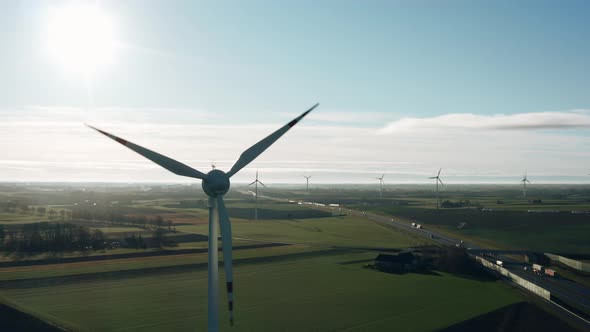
pixel 255 183
pixel 381 185
pixel 524 182
pixel 215 184
pixel 437 177
pixel 307 183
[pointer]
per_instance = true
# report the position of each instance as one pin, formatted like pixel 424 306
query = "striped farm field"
pixel 152 264
pixel 346 231
pixel 322 292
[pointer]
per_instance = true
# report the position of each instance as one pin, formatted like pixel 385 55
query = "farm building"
pixel 400 263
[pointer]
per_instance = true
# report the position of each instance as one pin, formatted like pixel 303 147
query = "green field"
pixel 313 294
pixel 495 216
pixel 346 231
pixel 9 218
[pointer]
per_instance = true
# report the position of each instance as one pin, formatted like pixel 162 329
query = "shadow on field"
pixel 142 272
pixel 61 260
pixel 517 317
pixel 428 273
pixel 16 321
pixel 357 261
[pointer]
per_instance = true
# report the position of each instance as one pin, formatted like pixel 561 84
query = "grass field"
pixel 9 218
pixel 313 294
pixel 514 223
pixel 348 231
pixel 154 262
pixel 317 283
pixel 562 232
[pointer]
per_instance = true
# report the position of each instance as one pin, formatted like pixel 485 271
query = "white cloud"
pixel 35 149
pixel 539 120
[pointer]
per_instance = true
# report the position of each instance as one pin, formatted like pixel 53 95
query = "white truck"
pixel 537 269
pixel 499 263
pixel 414 224
pixel 418 226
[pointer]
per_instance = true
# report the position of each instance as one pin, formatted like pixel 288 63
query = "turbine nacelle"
pixel 216 183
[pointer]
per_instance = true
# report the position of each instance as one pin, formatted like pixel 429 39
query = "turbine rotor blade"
pixel 433 177
pixel 439 180
pixel 170 164
pixel 440 169
pixel 226 242
pixel 253 182
pixel 255 150
pixel 262 184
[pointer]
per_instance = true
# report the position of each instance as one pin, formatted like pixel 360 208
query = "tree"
pixel 98 239
pixel 24 208
pixel 2 235
pixel 140 242
pixel 142 220
pixel 41 210
pixel 159 221
pixel 159 236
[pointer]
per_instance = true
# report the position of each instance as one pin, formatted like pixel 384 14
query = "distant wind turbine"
pixel 381 185
pixel 307 182
pixel 524 182
pixel 215 184
pixel 437 177
pixel 255 183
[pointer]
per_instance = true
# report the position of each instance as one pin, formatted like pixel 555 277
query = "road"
pixel 572 294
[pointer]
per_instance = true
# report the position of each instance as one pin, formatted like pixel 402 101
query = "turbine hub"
pixel 216 183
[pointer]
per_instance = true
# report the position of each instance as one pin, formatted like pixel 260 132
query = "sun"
pixel 81 37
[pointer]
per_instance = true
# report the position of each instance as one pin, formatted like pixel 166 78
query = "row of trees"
pixel 14 206
pixel 141 221
pixel 46 237
pixel 23 208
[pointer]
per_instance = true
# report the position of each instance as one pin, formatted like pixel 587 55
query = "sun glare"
pixel 81 37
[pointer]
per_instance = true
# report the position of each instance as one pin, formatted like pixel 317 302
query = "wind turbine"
pixel 255 183
pixel 437 177
pixel 215 184
pixel 381 185
pixel 524 182
pixel 307 183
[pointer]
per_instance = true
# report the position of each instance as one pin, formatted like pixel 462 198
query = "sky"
pixel 484 90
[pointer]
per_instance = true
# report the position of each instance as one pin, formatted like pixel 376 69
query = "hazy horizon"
pixel 405 88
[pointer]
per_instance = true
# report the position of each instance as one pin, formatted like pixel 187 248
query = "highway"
pixel 571 294
pixel 566 291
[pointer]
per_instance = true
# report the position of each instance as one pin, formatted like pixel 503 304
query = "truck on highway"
pixel 418 226
pixel 413 224
pixel 551 273
pixel 537 269
pixel 499 263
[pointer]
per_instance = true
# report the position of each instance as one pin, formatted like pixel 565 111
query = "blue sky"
pixel 394 78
